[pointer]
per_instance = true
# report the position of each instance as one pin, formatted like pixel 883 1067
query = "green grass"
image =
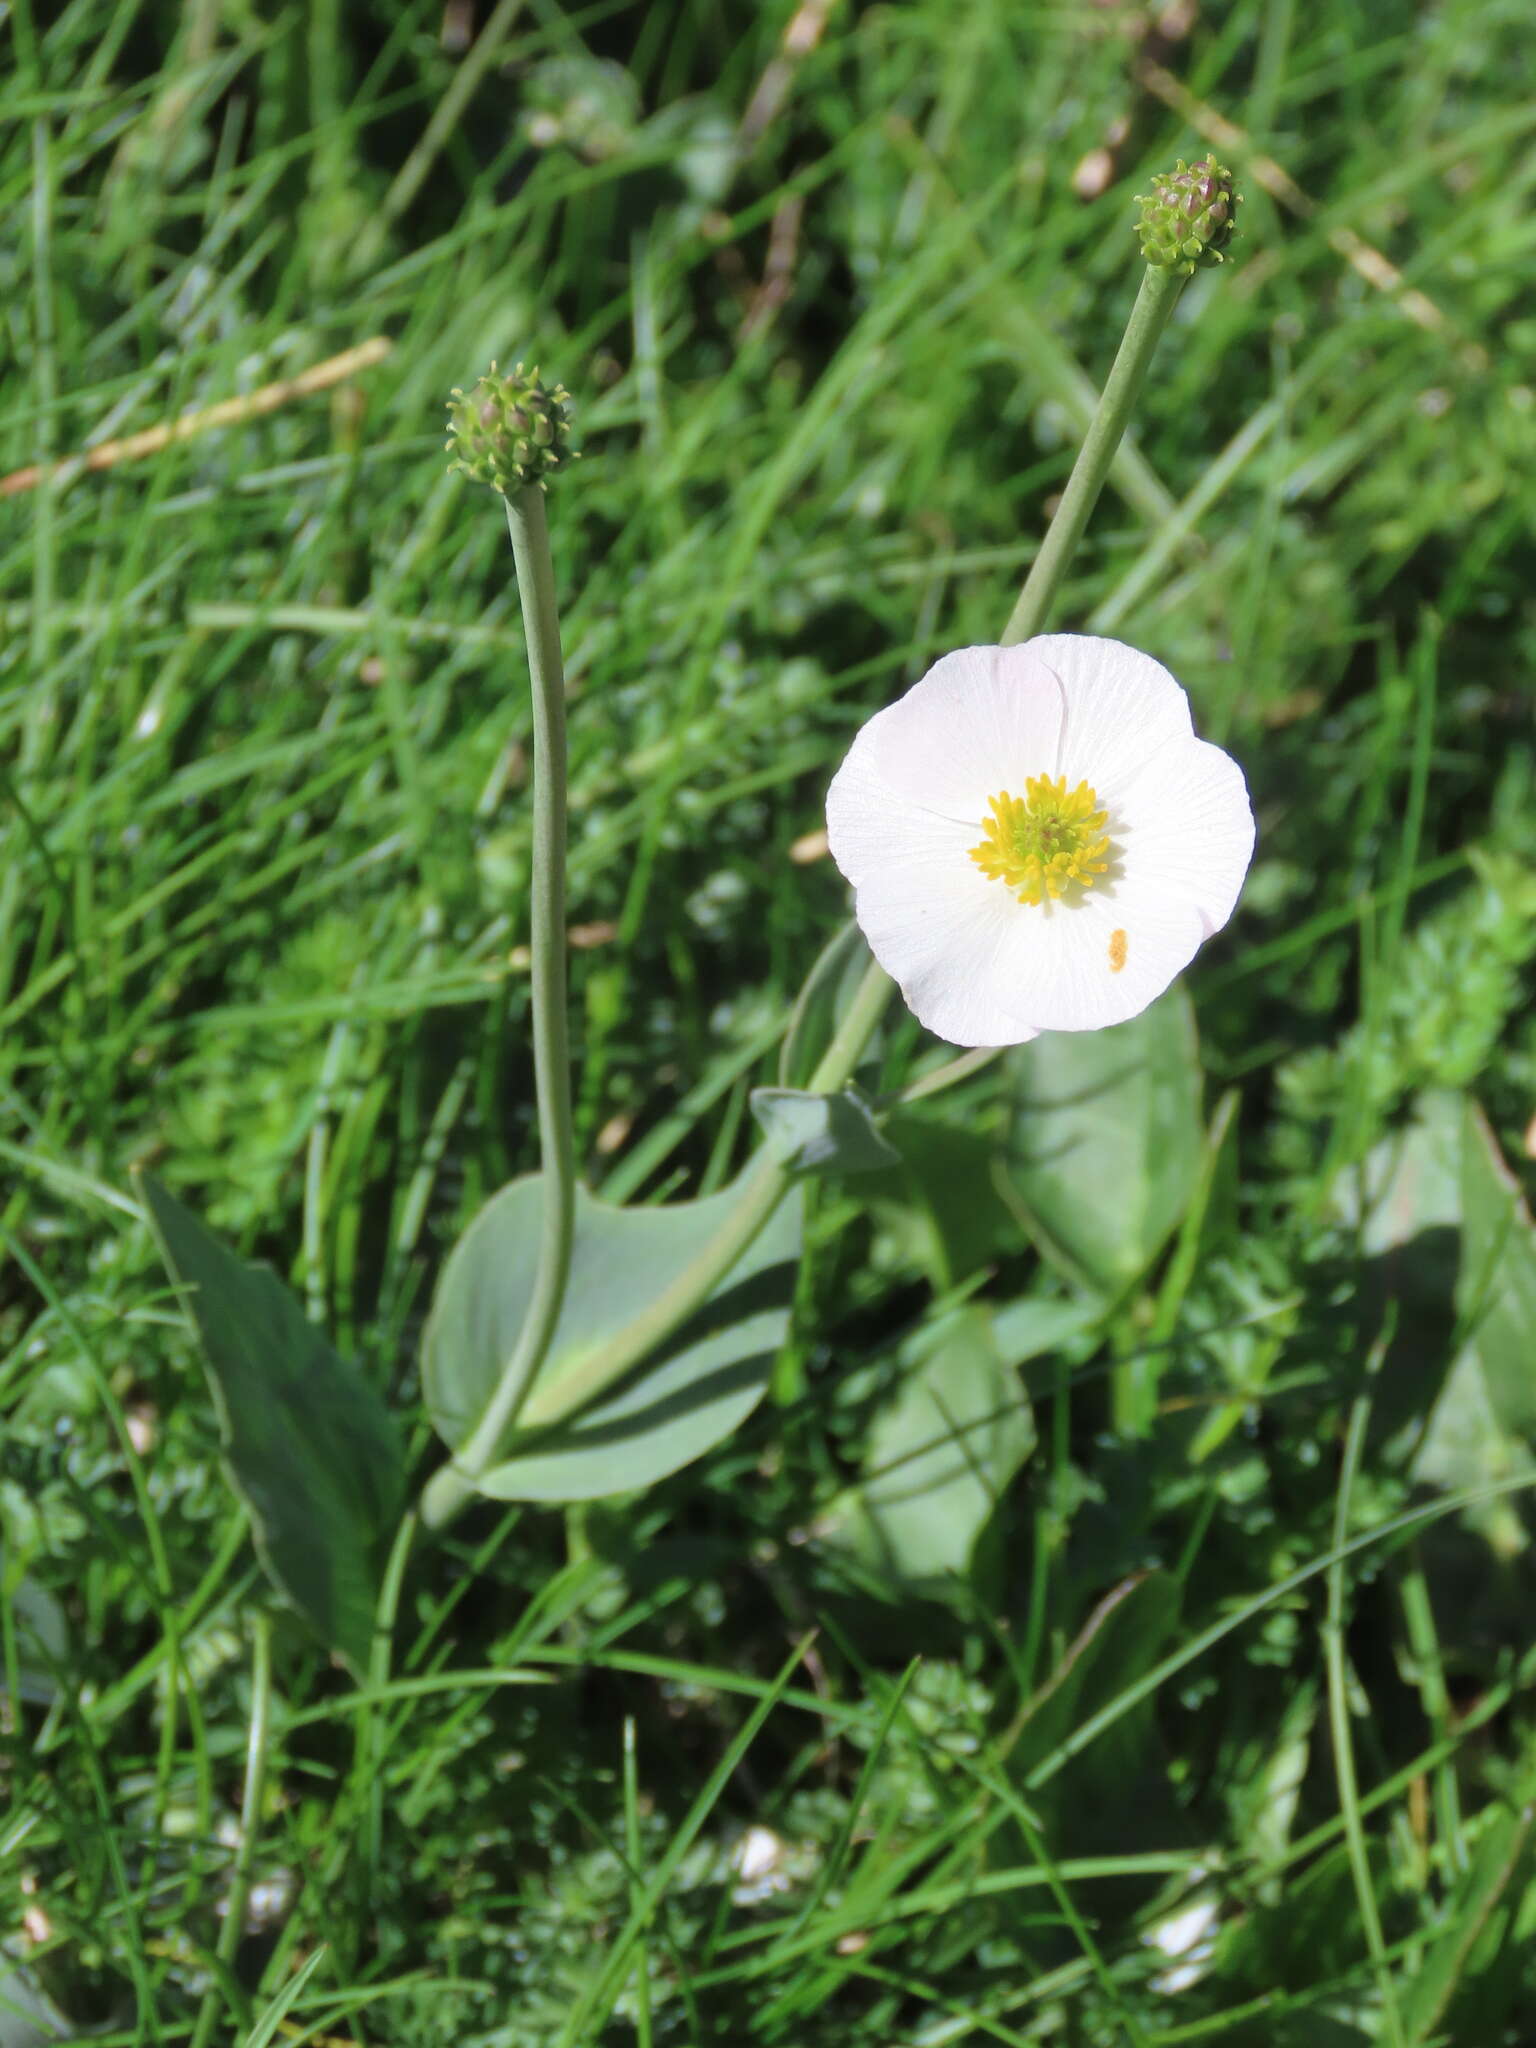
pixel 262 730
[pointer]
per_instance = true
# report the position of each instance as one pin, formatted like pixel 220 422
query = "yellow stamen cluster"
pixel 1043 841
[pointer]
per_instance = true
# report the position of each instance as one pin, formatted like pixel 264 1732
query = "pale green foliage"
pixel 578 1444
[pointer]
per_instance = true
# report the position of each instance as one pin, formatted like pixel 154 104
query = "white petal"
pixel 1184 828
pixel 1181 1932
pixel 1182 839
pixel 983 719
pixel 1058 965
pixel 930 916
pixel 1122 708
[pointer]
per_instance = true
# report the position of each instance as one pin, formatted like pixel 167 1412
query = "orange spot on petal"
pixel 1117 945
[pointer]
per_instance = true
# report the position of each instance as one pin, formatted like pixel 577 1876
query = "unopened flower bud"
pixel 509 430
pixel 1188 217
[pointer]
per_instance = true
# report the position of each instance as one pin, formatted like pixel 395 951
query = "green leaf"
pixel 1104 1149
pixel 823 1002
pixel 1497 1289
pixel 1114 1795
pixel 1036 1325
pixel 1411 1182
pixel 1404 1201
pixel 1467 1446
pixel 1308 1932
pixel 42 1633
pixel 943 1212
pixel 938 1457
pixel 28 2018
pixel 1474 1927
pixel 698 1387
pixel 809 1133
pixel 1270 1765
pixel 1124 1635
pixel 1481 1425
pixel 310 1447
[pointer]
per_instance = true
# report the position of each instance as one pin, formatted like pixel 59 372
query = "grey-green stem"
pixel 1160 289
pixel 765 1183
pixel 551 1050
pixel 762 1188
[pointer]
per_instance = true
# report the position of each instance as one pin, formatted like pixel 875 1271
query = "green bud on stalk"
pixel 1188 218
pixel 509 431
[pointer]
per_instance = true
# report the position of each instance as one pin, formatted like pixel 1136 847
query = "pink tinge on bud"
pixel 1187 219
pixel 510 430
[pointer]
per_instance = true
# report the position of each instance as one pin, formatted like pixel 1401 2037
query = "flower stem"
pixel 1160 288
pixel 761 1189
pixel 764 1185
pixel 960 1069
pixel 551 1053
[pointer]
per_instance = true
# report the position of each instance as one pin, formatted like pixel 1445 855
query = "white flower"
pixel 1036 839
pixel 1188 1939
pixel 759 1860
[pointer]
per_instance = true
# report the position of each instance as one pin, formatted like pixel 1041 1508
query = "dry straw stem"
pixel 805 30
pixel 229 412
pixel 1377 270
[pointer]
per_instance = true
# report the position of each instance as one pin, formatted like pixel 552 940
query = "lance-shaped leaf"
pixel 693 1390
pixel 310 1447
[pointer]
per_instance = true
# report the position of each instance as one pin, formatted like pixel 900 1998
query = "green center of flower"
pixel 1044 840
